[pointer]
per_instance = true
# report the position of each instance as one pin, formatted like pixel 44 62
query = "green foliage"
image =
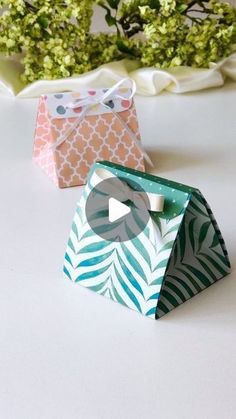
pixel 175 36
pixel 54 38
pixel 51 37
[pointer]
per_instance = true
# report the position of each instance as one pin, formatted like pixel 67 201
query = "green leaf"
pixel 75 230
pixel 98 287
pixel 117 295
pixel 154 296
pixel 191 233
pixel 214 263
pixel 88 233
pixel 162 264
pixel 191 279
pixel 104 293
pixel 222 257
pixel 43 21
pixel 215 241
pixel 66 272
pixel 158 281
pixel 123 47
pixel 182 240
pixel 199 275
pixel 127 290
pixel 184 285
pixel 141 248
pixel 151 311
pixel 106 227
pixel 98 214
pixel 161 306
pixel 175 251
pixel 113 3
pixel 154 4
pixel 130 276
pixel 197 209
pixel 95 247
pixel 110 19
pixel 203 233
pixel 207 268
pixel 79 212
pixel 181 7
pixel 167 246
pixel 174 228
pixel 175 289
pixel 170 298
pixel 67 257
pixel 134 262
pixel 92 274
pixel 70 244
pixel 95 260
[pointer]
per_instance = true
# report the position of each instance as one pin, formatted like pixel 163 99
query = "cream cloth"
pixel 149 81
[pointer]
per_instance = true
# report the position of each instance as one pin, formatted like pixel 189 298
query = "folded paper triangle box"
pixel 74 130
pixel 178 253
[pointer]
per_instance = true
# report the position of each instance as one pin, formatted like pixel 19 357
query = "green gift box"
pixel 179 253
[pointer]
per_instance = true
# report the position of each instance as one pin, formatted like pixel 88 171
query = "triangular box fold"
pixel 152 273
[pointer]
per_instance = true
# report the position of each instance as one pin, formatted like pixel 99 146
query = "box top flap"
pixel 176 195
pixel 72 104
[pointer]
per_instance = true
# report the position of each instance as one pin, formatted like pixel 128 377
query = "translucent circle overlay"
pixel 97 209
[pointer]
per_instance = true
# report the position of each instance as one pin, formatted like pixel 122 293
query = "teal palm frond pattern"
pixel 130 272
pixel 150 274
pixel 199 257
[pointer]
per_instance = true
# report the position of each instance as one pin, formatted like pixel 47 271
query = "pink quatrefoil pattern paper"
pixel 100 135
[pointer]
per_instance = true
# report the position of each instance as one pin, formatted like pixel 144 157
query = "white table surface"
pixel 67 353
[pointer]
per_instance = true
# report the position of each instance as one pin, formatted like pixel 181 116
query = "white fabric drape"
pixel 150 81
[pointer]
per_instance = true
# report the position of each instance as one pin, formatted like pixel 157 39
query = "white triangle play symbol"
pixel 117 210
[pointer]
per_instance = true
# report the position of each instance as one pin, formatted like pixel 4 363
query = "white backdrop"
pixel 65 352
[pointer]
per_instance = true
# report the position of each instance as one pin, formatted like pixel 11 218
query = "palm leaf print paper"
pixel 148 274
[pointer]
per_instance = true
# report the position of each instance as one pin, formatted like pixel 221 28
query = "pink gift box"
pixel 74 130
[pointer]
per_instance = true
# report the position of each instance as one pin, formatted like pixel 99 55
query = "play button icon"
pixel 115 211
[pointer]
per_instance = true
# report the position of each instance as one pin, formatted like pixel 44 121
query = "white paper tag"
pixel 57 104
